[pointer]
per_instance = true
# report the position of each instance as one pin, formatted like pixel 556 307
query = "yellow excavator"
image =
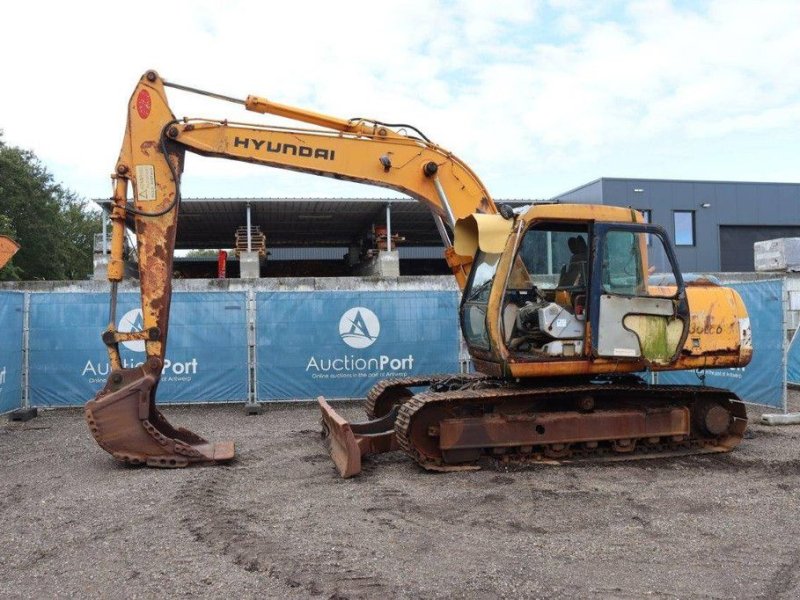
pixel 563 307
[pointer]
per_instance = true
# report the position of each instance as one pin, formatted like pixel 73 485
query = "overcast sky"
pixel 537 97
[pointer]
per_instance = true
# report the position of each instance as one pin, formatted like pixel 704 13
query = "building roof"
pixel 302 222
pixel 659 180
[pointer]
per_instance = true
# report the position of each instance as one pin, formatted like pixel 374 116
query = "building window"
pixel 684 227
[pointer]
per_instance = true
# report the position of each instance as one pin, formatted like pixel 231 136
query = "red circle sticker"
pixel 143 104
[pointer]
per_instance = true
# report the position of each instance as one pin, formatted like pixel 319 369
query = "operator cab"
pixel 566 274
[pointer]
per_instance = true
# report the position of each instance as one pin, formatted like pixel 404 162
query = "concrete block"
pixel 100 272
pixel 249 265
pixel 23 414
pixel 782 255
pixel 386 265
pixel 778 419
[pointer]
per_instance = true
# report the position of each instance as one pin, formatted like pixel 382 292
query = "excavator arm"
pixel 123 417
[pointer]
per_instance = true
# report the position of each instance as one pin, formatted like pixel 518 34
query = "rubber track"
pixel 680 395
pixel 389 385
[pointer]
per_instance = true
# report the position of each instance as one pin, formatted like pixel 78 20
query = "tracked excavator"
pixel 564 308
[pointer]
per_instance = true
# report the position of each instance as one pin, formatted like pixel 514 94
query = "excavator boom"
pixel 123 417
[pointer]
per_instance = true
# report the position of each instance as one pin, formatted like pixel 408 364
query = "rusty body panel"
pixel 565 427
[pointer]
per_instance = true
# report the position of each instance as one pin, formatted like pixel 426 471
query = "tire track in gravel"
pixel 785 581
pixel 211 513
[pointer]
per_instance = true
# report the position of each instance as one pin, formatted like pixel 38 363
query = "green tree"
pixel 53 226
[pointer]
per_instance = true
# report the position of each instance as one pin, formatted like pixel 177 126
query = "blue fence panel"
pixel 338 344
pixel 11 306
pixel 206 355
pixel 763 380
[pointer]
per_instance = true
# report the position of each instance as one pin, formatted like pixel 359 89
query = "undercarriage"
pixel 457 422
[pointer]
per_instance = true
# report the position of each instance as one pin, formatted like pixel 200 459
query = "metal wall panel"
pixel 736 243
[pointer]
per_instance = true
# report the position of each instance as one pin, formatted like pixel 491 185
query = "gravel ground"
pixel 280 523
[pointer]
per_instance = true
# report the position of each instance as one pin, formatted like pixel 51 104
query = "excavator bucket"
pixel 124 420
pixel 348 442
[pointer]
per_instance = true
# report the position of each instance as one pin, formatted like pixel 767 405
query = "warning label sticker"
pixel 625 352
pixel 145 183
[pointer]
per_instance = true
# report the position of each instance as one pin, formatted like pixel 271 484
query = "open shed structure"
pixel 313 237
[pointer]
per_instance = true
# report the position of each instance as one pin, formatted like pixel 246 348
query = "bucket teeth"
pixel 126 423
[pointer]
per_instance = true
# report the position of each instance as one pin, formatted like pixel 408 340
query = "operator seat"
pixel 573 274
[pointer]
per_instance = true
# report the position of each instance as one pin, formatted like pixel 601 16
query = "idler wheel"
pixel 384 403
pixel 714 419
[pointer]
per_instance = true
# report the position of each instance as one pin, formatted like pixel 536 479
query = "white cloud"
pixel 536 98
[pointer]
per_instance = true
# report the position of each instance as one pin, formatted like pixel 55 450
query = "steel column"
pixel 389 227
pixel 249 235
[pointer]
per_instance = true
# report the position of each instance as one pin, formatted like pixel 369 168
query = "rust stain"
pixel 145 147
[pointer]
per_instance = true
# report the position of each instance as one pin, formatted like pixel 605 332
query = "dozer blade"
pixel 124 420
pixel 348 442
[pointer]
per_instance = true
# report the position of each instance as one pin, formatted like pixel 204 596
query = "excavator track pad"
pixel 125 422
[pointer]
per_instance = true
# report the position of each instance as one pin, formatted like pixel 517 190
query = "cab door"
pixel 638 307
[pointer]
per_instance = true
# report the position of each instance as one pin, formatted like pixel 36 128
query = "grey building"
pixel 713 224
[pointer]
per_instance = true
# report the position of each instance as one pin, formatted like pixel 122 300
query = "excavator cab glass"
pixel 638 304
pixel 475 300
pixel 544 305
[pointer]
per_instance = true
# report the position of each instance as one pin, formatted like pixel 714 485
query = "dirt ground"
pixel 280 523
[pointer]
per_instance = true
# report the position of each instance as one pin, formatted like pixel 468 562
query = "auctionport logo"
pixel 359 327
pixel 132 321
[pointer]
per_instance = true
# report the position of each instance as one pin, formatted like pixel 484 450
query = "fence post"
pixel 25 412
pixel 252 407
pixel 784 354
pixel 26 346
